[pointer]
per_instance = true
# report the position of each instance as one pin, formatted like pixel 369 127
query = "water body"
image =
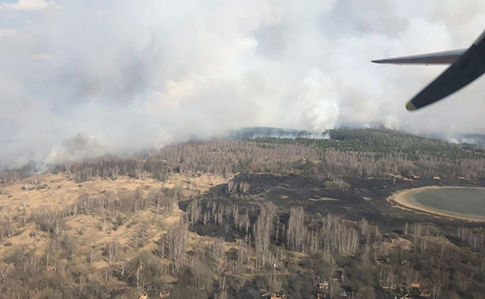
pixel 458 201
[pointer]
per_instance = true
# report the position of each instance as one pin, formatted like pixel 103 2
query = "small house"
pixel 437 178
pixel 415 287
pixel 322 295
pixel 277 295
pixel 323 285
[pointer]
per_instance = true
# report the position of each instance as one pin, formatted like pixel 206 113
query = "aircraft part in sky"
pixel 467 66
pixel 446 57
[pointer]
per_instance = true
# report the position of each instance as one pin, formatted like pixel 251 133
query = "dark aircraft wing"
pixel 446 57
pixel 466 67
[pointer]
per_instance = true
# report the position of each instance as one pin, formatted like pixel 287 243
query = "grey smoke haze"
pixel 81 78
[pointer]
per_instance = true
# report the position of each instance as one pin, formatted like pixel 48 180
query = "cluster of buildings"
pixel 414 291
pixel 323 291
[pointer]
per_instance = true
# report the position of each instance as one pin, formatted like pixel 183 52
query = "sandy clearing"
pixel 56 191
pixel 404 199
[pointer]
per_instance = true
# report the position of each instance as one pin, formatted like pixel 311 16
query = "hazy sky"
pixel 80 78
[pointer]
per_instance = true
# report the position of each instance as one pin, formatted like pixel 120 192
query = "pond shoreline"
pixel 405 200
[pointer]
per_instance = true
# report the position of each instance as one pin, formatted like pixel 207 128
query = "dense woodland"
pixel 252 247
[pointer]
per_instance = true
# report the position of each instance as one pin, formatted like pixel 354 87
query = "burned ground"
pixel 363 199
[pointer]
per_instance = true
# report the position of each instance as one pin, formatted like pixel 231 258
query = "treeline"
pixel 357 153
pixel 385 142
pixel 224 157
pixel 14 175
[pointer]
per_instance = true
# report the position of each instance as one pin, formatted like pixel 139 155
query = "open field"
pixel 88 235
pixel 57 190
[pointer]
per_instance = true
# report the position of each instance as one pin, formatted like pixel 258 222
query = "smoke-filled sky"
pixel 85 77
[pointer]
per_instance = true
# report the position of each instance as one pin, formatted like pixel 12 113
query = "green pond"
pixel 453 200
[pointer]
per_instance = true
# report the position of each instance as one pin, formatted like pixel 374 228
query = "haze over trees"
pixel 356 153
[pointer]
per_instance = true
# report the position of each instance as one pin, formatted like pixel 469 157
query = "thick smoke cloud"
pixel 120 76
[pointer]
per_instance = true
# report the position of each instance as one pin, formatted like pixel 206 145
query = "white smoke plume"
pixel 132 74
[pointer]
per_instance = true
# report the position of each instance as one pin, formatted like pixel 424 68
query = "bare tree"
pixel 172 245
pixel 263 228
pixel 297 230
